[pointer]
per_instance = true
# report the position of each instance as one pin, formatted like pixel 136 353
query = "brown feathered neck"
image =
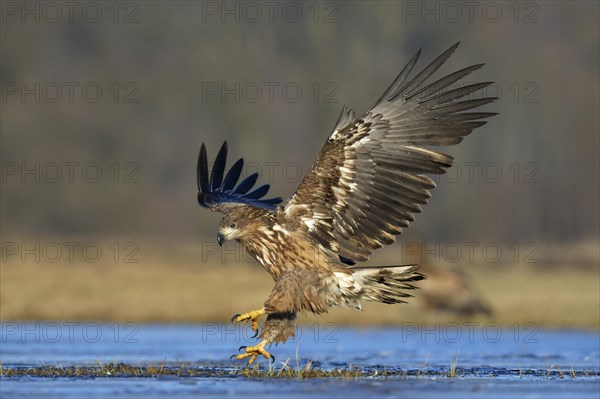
pixel 251 221
pixel 259 236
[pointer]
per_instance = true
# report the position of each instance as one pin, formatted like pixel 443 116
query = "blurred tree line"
pixel 101 121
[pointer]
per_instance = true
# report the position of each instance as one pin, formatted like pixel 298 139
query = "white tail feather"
pixel 386 283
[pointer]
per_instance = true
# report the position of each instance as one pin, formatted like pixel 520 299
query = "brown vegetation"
pixel 166 288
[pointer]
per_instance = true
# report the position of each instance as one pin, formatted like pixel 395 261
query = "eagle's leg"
pixel 253 351
pixel 253 315
pixel 278 328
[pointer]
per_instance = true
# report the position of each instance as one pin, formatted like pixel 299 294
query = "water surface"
pixel 521 361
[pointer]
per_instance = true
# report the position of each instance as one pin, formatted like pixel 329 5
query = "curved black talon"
pixel 235 316
pixel 272 359
pixel 243 347
pixel 255 334
pixel 232 356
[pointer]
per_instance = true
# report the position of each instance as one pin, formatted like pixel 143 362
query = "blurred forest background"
pixel 132 89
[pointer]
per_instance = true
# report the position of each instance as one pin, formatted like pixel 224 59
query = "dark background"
pixel 157 62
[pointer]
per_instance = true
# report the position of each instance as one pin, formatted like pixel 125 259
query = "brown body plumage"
pixel 308 277
pixel 364 187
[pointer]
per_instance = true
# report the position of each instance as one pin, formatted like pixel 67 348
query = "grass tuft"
pixel 453 364
pixel 561 375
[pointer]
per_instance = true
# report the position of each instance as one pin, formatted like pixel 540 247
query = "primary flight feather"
pixel 368 181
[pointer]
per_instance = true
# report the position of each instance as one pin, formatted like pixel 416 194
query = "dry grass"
pixel 182 288
pixel 120 370
pixel 184 370
pixel 453 364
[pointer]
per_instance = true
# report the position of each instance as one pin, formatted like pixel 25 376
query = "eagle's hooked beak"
pixel 220 238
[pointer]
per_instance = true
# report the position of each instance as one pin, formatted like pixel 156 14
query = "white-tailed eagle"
pixel 368 181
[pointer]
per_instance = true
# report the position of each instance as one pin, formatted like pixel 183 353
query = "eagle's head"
pixel 240 221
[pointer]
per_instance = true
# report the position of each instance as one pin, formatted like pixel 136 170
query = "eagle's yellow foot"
pixel 253 315
pixel 253 351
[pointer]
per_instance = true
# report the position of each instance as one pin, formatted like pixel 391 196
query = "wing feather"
pixel 216 176
pixel 219 192
pixel 369 178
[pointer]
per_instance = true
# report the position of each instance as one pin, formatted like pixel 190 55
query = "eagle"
pixel 366 185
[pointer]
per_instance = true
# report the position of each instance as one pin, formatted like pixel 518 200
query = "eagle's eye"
pixel 233 225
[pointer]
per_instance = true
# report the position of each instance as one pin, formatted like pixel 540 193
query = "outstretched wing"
pixel 220 191
pixel 369 177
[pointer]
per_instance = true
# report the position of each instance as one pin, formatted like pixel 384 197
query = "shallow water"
pixel 520 361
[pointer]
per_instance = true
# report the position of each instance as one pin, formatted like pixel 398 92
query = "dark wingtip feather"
pixel 246 184
pixel 233 175
pixel 202 170
pixel 216 177
pixel 259 192
pixel 221 190
pixel 272 201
